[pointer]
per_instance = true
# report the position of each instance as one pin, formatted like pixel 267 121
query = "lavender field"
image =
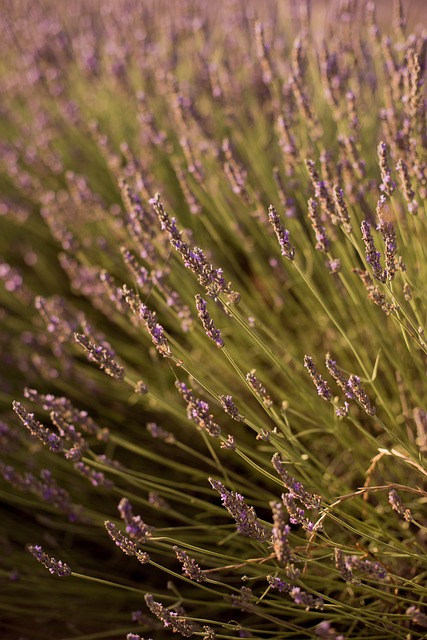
pixel 213 293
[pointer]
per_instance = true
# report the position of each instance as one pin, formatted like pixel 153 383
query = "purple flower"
pixel 229 407
pixel 258 388
pixel 357 389
pixel 389 238
pixel 309 500
pixel 101 356
pixel 322 240
pixel 194 259
pixel 135 527
pixel 177 623
pixel 245 517
pixel 280 533
pixel 96 478
pixel 55 567
pixel 198 411
pixel 296 514
pixel 51 440
pixel 306 599
pixel 155 330
pixel 397 504
pixel 387 185
pixel 321 385
pixel 372 255
pixel 190 567
pixel 277 583
pixel 207 322
pixel 158 432
pixel 125 544
pixel 282 234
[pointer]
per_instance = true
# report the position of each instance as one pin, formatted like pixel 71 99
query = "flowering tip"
pixel 101 356
pixel 55 567
pixel 287 250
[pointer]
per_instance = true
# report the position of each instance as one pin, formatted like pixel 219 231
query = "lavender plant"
pixel 213 311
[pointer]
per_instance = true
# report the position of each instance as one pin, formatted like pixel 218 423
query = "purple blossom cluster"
pixel 346 564
pixel 280 533
pixel 326 630
pixel 282 234
pixel 45 487
pixel 208 325
pixel 408 192
pixel 374 293
pixel 296 513
pixel 136 96
pixel 135 526
pixel 103 357
pixel 55 567
pixel 386 228
pixel 158 432
pixel 155 330
pixel 171 619
pixel 356 387
pixel 321 385
pixel 341 209
pixel 96 478
pixel 387 185
pixel 396 502
pixel 190 567
pixel 194 259
pixel 309 500
pixel 245 517
pixel 229 407
pixel 69 413
pixel 373 257
pixel 47 437
pixel 198 411
pixel 299 596
pixel 126 545
pixel 258 388
pixel 306 599
pixel 322 240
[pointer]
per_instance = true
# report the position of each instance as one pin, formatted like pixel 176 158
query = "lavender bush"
pixel 213 285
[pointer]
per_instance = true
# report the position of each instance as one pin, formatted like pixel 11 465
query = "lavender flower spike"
pixel 258 388
pixel 309 500
pixel 189 566
pixel 282 234
pixel 372 255
pixel 194 259
pixel 356 387
pixel 321 385
pixel 125 544
pixel 55 567
pixel 229 407
pixel 155 329
pixel 396 502
pixel 280 533
pixel 100 355
pixel 51 440
pixel 171 619
pixel 389 238
pixel 387 185
pixel 198 411
pixel 245 517
pixel 322 240
pixel 207 322
pixel 135 526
